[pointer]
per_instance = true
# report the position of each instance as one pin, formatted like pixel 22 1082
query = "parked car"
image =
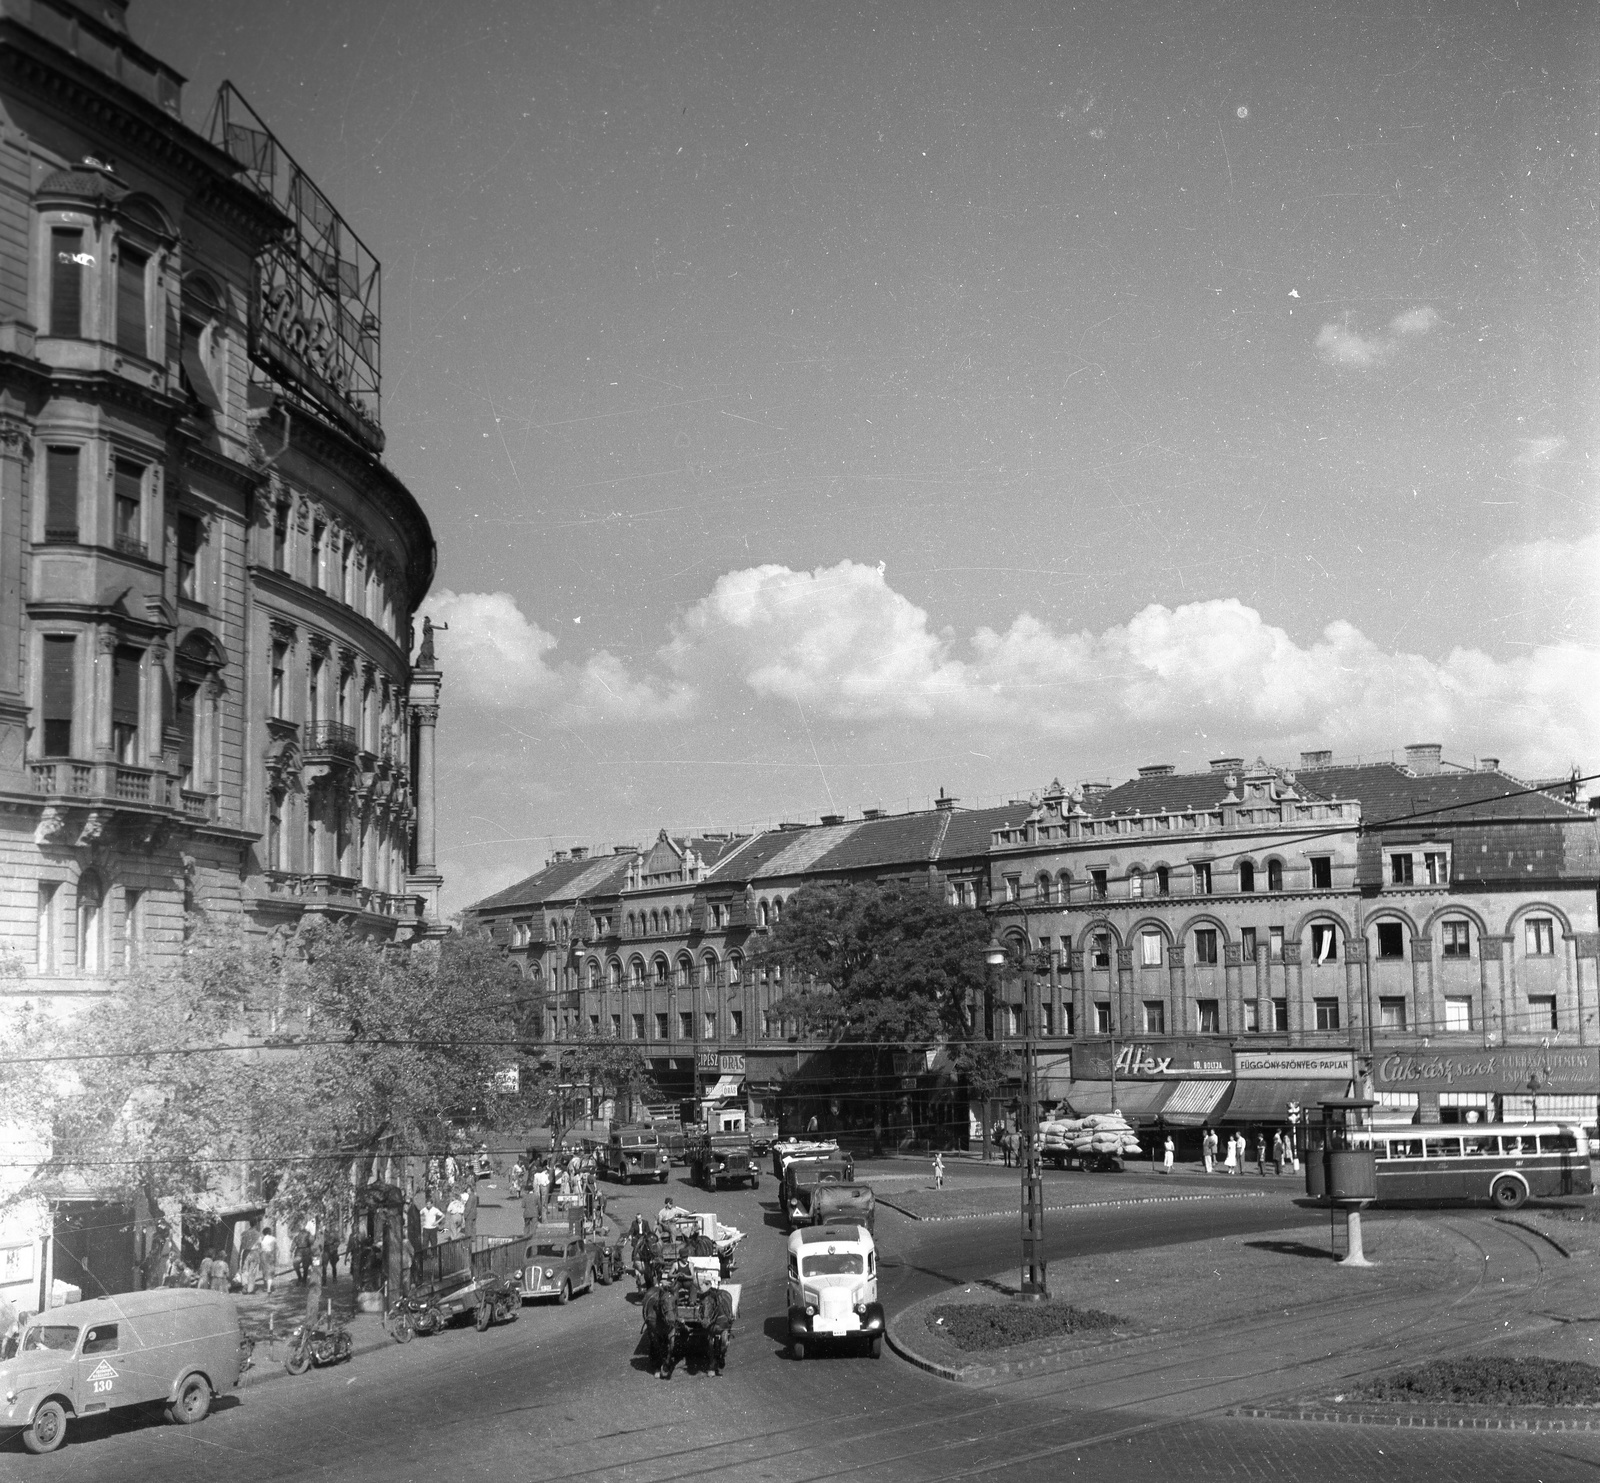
pixel 168 1345
pixel 833 1289
pixel 560 1265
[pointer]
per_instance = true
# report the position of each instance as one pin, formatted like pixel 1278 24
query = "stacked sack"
pixel 1099 1133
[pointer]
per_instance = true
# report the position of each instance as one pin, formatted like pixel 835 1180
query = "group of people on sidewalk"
pixel 1280 1152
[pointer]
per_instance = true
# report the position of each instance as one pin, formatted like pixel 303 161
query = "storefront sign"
pixel 1294 1065
pixel 715 1063
pixel 1510 1069
pixel 16 1263
pixel 1150 1060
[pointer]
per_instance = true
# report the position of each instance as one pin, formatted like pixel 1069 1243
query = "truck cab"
pixel 833 1289
pixel 718 1159
pixel 633 1152
pixel 800 1181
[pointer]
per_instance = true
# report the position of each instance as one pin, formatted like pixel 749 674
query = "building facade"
pixel 207 572
pixel 661 944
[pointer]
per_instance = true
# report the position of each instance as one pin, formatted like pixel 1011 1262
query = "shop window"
pixel 1392 1014
pixel 128 508
pixel 61 494
pixel 1391 940
pixel 1327 1014
pixel 1457 1012
pixel 1322 872
pixel 1280 1015
pixel 1540 936
pixel 1208 1017
pixel 1401 1107
pixel 1437 866
pixel 1324 943
pixel 1275 944
pixel 1150 949
pixel 1274 875
pixel 1463 1107
pixel 1247 944
pixel 58 687
pixel 1100 951
pixel 133 319
pixel 1247 877
pixel 1400 870
pixel 1155 1017
pixel 1542 1012
pixel 1202 880
pixel 1457 940
pixel 1163 881
pixel 67 263
pixel 1205 946
pixel 125 662
pixel 661 1024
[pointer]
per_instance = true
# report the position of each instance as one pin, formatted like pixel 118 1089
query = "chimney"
pixel 1226 764
pixel 1316 759
pixel 580 852
pixel 831 819
pixel 559 857
pixel 1488 764
pixel 1092 791
pixel 945 805
pixel 1423 758
pixel 624 849
pixel 872 813
pixel 1157 770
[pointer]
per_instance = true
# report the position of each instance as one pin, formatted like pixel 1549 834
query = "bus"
pixel 1503 1163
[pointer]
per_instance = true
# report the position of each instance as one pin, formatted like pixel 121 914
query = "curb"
pixel 1522 1225
pixel 1085 1205
pixel 1473 1421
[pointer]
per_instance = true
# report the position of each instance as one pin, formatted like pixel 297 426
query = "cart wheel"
pixel 875 1348
pixel 485 1314
pixel 797 1349
pixel 193 1403
pixel 49 1428
pixel 298 1360
pixel 565 1295
pixel 402 1330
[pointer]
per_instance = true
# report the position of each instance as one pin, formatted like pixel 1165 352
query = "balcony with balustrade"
pixel 73 780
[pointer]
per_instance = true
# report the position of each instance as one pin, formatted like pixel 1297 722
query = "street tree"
pixel 888 967
pixel 559 1076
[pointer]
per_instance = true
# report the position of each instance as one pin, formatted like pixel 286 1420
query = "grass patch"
pixel 983 1326
pixel 1492 1381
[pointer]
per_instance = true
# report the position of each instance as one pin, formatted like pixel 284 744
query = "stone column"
pixel 1429 1019
pixel 1291 987
pixel 425 880
pixel 1233 990
pixel 1124 1012
pixel 1177 999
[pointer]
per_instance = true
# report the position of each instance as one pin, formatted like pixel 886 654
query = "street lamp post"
pixel 1035 1285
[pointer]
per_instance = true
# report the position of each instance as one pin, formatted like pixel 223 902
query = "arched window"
pixel 1042 886
pixel 1274 875
pixel 763 914
pixel 708 966
pixel 594 973
pixel 777 910
pixel 685 969
pixel 663 970
pixel 91 924
pixel 677 919
pixel 1135 884
pixel 1064 886
pixel 1247 876
pixel 636 972
pixel 655 924
pixel 735 968
pixel 614 973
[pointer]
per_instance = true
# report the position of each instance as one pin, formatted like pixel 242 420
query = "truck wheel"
pixel 193 1403
pixel 49 1428
pixel 797 1349
pixel 1507 1194
pixel 565 1295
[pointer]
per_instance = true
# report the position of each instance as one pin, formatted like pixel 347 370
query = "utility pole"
pixel 1035 1285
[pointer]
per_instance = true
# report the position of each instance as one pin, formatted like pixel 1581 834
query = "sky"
pixel 820 406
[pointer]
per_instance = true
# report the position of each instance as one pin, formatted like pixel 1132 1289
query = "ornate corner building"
pixel 207 572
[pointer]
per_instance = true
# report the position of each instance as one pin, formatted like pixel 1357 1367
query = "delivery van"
pixel 170 1345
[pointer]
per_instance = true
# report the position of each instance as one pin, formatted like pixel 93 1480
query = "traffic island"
pixel 1171 1295
pixel 991 1201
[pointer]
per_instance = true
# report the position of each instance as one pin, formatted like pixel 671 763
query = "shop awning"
pixel 1138 1101
pixel 1267 1100
pixel 1055 1077
pixel 1195 1103
pixel 726 1086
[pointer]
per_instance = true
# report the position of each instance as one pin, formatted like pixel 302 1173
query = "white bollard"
pixel 1355 1256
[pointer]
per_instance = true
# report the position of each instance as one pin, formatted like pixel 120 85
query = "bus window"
pixel 1405 1148
pixel 1443 1148
pixel 1511 1145
pixel 1558 1143
pixel 1479 1147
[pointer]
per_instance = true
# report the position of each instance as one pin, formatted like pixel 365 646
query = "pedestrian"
pixel 532 1213
pixel 432 1220
pixel 450 1171
pixel 250 1257
pixel 269 1256
pixel 518 1174
pixel 666 1215
pixel 1169 1149
pixel 1261 1153
pixel 1208 1149
pixel 938 1171
pixel 221 1279
pixel 455 1216
pixel 330 1254
pixel 1227 1163
pixel 541 1190
pixel 469 1213
pixel 300 1249
pixel 1277 1153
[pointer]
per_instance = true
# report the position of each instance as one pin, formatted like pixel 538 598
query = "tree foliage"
pixel 555 1073
pixel 885 963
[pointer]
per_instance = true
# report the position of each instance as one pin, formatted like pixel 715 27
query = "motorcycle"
pixel 327 1342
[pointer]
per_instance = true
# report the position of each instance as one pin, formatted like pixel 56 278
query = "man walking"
pixel 303 1250
pixel 269 1255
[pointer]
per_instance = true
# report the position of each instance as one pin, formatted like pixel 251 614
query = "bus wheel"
pixel 1508 1194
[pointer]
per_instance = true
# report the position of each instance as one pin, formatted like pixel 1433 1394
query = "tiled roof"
pixel 971 829
pixel 1388 791
pixel 1176 792
pixel 566 880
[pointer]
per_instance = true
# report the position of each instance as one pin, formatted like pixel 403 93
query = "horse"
pixel 663 1329
pixel 646 1255
pixel 715 1312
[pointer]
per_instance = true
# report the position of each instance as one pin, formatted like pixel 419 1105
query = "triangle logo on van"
pixel 103 1371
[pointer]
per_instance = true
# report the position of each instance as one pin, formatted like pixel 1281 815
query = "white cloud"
pixel 1339 345
pixel 494 657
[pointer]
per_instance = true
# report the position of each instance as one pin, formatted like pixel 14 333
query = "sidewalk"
pixel 1252 1339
